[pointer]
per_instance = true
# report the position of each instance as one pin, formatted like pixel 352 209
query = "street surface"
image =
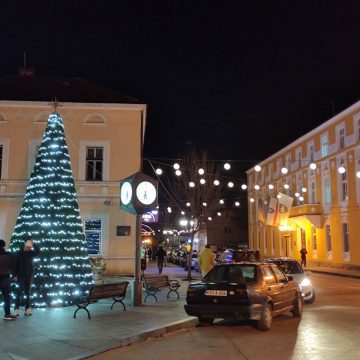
pixel 329 330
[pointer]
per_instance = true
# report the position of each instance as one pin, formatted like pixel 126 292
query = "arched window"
pixel 95 119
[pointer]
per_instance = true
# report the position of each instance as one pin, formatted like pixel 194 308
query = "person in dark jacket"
pixel 5 269
pixel 160 258
pixel 23 274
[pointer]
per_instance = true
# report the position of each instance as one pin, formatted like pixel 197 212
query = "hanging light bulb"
pixel 284 170
pixel 176 166
pixel 271 186
pixel 209 218
pixel 230 184
pixel 252 200
pixel 312 166
pixel 216 182
pixel 169 209
pixel 301 198
pixel 204 204
pixel 358 174
pixel 256 187
pixel 304 189
pixel 202 181
pixel 257 168
pixel 201 171
pixel 221 201
pixel 244 186
pixel 158 171
pixel 188 204
pixel 237 203
pixel 227 166
pixel 278 196
pixel 183 213
pixel 341 169
pixel 286 186
pixel 178 172
pixel 191 184
pixel 297 194
pixel 218 213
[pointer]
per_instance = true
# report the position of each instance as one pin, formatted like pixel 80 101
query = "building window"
pixel 92 228
pixel 345 230
pixel 272 242
pixel 312 190
pixel 298 156
pixel 313 238
pixel 1 158
pixel 94 163
pixel 344 186
pixel 324 145
pixel 327 190
pixel 311 152
pixel 342 137
pixel 328 238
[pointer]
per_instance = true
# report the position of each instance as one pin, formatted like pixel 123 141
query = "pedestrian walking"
pixel 206 260
pixel 23 274
pixel 149 253
pixel 5 270
pixel 160 258
pixel 303 253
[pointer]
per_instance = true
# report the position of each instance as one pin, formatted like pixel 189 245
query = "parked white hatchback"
pixel 301 276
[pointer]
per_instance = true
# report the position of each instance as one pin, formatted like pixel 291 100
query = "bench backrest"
pixel 103 291
pixel 157 280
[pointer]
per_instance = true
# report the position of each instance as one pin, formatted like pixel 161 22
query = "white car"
pixel 293 268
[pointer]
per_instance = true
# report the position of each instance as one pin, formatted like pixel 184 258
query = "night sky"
pixel 240 78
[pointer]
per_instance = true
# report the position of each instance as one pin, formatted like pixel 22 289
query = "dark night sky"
pixel 240 78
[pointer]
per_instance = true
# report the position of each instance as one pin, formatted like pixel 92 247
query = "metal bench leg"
pixel 175 291
pixel 80 307
pixel 118 301
pixel 153 295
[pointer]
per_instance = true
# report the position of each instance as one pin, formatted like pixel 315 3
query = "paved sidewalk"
pixel 334 271
pixel 53 333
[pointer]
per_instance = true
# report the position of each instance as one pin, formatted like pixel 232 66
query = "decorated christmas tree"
pixel 50 215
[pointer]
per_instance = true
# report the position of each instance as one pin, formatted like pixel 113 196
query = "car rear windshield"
pixel 289 267
pixel 232 274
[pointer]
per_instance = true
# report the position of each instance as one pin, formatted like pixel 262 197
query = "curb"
pixel 155 332
pixel 354 276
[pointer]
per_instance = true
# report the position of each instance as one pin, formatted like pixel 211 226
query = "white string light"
pixel 201 171
pixel 158 171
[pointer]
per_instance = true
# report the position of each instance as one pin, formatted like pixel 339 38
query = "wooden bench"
pixel 102 291
pixel 153 284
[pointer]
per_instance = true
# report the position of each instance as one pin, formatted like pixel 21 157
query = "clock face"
pixel 126 193
pixel 146 193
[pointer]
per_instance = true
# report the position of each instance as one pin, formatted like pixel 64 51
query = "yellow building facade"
pixel 104 142
pixel 321 172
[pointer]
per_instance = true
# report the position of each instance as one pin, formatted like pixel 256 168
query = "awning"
pixel 304 221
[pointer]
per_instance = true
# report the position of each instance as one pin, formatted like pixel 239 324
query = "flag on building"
pixel 272 216
pixel 285 204
pixel 261 211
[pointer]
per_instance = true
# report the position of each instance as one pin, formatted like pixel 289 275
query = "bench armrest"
pixel 174 284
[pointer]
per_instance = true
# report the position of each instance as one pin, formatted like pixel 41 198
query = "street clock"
pixel 138 193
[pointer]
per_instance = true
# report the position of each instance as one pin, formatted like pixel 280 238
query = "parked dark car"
pixel 292 267
pixel 253 291
pixel 230 256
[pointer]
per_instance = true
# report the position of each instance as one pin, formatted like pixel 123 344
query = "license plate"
pixel 216 293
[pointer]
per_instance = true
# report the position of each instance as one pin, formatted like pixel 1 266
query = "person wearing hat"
pixel 5 269
pixel 23 274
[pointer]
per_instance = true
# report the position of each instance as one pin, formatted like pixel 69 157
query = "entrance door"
pixel 303 238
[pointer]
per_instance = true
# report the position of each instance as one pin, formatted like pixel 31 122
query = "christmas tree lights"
pixel 50 215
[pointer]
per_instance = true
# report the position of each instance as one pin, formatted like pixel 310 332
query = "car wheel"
pixel 205 320
pixel 298 306
pixel 265 322
pixel 312 299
